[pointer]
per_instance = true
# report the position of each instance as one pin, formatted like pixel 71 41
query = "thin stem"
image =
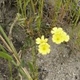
pixel 9 43
pixel 15 54
pixel 10 69
pixel 5 43
pixel 2 48
pixel 33 8
pixel 11 28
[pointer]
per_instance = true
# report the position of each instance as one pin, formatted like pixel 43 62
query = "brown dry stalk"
pixel 5 44
pixel 14 22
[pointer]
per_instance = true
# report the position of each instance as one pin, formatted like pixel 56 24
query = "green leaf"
pixel 30 64
pixel 2 48
pixel 5 55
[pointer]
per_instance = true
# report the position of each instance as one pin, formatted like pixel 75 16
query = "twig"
pixel 15 54
pixel 5 43
pixel 11 28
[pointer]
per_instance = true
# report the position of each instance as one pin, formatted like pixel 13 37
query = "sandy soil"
pixel 63 63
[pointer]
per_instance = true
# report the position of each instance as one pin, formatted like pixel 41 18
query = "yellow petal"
pixel 53 29
pixel 67 38
pixel 42 37
pixel 38 41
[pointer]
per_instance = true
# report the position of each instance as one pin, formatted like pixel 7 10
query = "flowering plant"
pixel 44 47
pixel 58 36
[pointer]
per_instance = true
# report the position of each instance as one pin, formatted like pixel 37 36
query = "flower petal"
pixel 38 41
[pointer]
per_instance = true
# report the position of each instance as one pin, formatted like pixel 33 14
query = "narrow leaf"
pixel 5 55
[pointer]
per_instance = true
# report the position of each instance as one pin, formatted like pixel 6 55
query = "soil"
pixel 63 63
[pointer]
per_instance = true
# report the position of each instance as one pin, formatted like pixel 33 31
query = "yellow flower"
pixel 41 40
pixel 44 48
pixel 57 38
pixel 59 35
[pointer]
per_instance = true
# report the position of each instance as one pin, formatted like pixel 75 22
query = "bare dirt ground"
pixel 63 63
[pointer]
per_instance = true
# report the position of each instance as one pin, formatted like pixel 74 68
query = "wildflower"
pixel 59 35
pixel 44 48
pixel 41 40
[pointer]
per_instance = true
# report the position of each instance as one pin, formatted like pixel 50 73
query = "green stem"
pixel 2 48
pixel 10 69
pixel 9 42
pixel 33 8
pixel 15 54
pixel 34 57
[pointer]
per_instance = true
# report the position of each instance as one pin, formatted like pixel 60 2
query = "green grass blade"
pixel 5 55
pixel 2 48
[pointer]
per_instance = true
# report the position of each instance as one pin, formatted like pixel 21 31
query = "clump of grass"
pixel 9 45
pixel 68 10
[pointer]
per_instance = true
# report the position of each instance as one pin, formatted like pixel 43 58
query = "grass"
pixel 30 16
pixel 12 50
